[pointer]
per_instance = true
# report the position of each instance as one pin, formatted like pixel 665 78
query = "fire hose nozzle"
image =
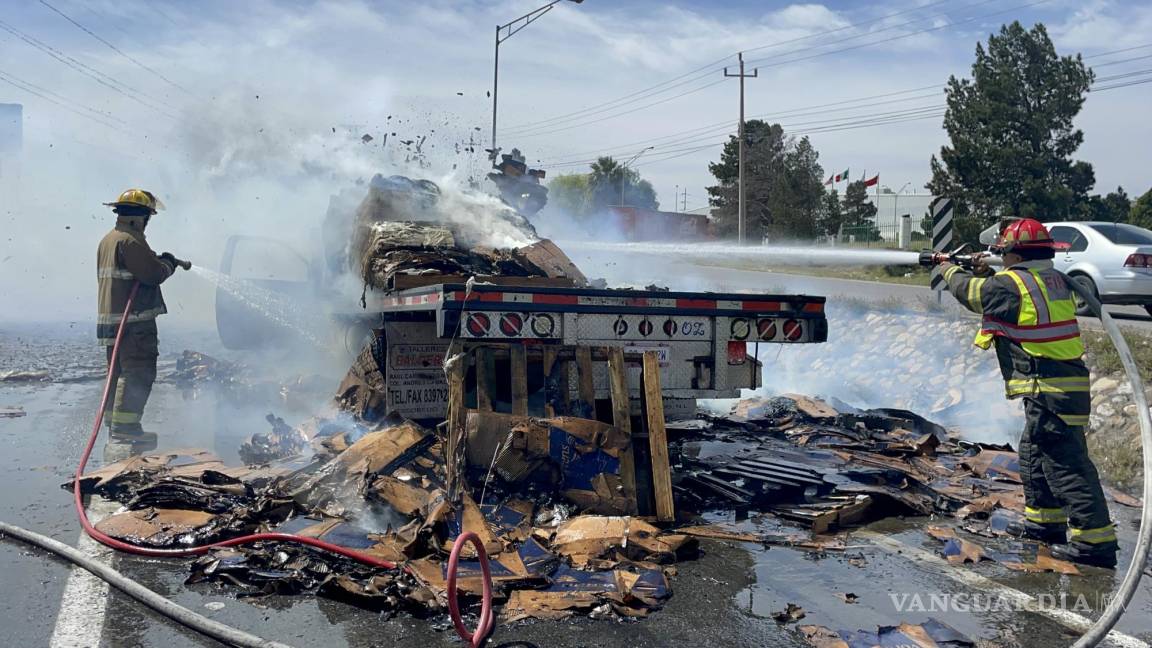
pixel 179 263
pixel 932 258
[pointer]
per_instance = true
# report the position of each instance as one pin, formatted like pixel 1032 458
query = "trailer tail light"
pixel 1138 261
pixel 478 324
pixel 737 353
pixel 793 330
pixel 766 329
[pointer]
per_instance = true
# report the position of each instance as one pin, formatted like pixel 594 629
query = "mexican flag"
pixel 841 177
pixel 873 181
pixel 829 180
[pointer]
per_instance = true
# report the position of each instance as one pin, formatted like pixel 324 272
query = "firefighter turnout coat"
pixel 1029 316
pixel 122 259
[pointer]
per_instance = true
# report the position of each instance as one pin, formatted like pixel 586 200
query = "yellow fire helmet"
pixel 137 198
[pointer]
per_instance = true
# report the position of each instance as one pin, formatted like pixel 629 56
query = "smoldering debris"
pixel 546 503
pixel 407 233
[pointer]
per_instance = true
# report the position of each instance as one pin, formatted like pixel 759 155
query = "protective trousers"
pixel 133 373
pixel 1061 485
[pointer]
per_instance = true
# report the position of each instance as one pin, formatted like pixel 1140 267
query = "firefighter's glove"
pixel 176 263
pixel 980 266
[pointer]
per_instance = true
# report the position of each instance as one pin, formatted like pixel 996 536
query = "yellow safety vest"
pixel 1046 327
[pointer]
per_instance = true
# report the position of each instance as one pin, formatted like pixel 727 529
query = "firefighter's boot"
pixel 1052 534
pixel 1084 553
pixel 123 445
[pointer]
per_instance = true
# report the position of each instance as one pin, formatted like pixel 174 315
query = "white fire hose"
pixel 1123 596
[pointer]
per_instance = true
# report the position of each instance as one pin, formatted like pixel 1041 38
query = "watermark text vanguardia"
pixel 998 602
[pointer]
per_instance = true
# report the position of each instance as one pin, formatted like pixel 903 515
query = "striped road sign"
pixel 942 209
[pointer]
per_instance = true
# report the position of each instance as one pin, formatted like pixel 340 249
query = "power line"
pixel 906 35
pixel 843 124
pixel 724 126
pixel 709 68
pixel 96 75
pixel 846 105
pixel 530 133
pixel 16 83
pixel 114 48
pixel 1127 60
pixel 103 114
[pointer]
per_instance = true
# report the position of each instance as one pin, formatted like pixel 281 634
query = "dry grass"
pixel 1104 360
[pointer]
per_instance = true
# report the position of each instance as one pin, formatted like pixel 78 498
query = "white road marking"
pixel 970 578
pixel 80 622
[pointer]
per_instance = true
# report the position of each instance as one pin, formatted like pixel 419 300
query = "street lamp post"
pixel 512 28
pixel 624 171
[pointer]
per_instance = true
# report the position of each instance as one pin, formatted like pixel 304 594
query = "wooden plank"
pixel 455 429
pixel 622 420
pixel 519 373
pixel 657 438
pixel 548 362
pixel 586 386
pixel 485 379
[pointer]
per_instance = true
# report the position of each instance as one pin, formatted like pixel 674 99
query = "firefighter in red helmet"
pixel 1030 318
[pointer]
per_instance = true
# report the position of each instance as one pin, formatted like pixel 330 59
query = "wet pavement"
pixel 725 598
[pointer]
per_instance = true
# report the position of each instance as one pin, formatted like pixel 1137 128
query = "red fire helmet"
pixel 1026 233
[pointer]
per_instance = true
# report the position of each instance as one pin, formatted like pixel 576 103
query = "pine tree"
pixel 1012 135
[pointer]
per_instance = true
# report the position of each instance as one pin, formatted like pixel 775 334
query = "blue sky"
pixel 410 60
pixel 257 108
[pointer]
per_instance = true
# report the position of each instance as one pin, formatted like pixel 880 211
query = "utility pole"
pixel 740 135
pixel 512 28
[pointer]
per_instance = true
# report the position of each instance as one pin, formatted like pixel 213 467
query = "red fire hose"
pixel 475 640
pixel 484 627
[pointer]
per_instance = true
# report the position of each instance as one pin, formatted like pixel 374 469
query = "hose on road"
pixel 1124 593
pixel 104 539
pixel 223 633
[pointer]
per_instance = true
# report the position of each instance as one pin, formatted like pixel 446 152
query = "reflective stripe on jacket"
pixel 122 258
pixel 1046 325
pixel 1030 318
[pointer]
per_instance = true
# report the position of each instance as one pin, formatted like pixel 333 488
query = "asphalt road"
pixel 726 598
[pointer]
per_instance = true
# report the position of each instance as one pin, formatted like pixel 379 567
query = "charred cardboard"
pixel 162 527
pixel 589 537
pixel 581 457
pixel 930 634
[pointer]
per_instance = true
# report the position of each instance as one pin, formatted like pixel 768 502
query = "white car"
pixel 1114 260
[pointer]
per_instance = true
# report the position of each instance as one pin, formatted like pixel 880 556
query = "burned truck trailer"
pixel 706 343
pixel 437 281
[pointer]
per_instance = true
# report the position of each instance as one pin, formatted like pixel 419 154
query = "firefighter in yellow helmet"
pixel 1030 318
pixel 122 259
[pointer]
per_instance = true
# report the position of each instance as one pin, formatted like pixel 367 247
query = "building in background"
pixel 890 207
pixel 638 224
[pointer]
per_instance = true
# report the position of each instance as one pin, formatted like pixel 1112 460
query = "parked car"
pixel 1114 260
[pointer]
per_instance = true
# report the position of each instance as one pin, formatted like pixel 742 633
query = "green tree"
pixel 610 183
pixel 784 184
pixel 1012 135
pixel 570 193
pixel 831 214
pixel 1141 213
pixel 859 213
pixel 1112 208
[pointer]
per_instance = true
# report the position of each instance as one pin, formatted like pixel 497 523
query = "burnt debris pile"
pixel 561 503
pixel 406 233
